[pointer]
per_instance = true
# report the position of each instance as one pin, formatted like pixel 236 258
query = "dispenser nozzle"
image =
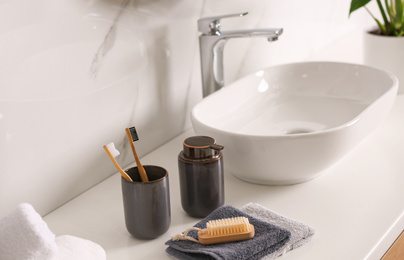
pixel 216 147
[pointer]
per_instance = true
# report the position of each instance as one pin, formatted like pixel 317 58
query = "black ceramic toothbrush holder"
pixel 147 204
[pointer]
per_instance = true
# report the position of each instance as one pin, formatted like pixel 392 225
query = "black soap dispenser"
pixel 200 166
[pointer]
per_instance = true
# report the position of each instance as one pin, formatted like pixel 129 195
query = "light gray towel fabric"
pixel 268 239
pixel 300 233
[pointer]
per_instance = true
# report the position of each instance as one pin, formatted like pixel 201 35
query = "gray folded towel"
pixel 300 233
pixel 268 238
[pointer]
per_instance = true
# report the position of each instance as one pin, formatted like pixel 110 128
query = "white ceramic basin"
pixel 286 124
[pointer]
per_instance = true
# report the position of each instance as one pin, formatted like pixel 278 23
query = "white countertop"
pixel 355 206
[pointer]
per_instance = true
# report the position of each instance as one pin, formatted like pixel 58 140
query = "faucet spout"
pixel 270 33
pixel 211 45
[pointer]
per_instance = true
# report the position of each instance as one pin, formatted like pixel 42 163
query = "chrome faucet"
pixel 211 44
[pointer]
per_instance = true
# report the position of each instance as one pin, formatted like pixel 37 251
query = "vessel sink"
pixel 289 123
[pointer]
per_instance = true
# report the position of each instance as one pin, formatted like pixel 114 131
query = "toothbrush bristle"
pixel 113 150
pixel 133 133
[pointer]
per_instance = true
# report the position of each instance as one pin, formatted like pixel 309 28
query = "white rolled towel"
pixel 25 236
pixel 75 248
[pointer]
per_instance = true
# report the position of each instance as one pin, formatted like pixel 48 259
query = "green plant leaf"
pixel 399 12
pixel 389 8
pixel 401 32
pixel 390 28
pixel 382 27
pixel 356 4
pixel 389 12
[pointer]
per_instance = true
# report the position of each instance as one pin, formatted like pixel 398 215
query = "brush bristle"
pixel 226 230
pixel 112 149
pixel 228 226
pixel 133 134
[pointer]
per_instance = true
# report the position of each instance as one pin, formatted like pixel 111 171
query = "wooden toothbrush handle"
pixel 140 168
pixel 122 172
pixel 142 171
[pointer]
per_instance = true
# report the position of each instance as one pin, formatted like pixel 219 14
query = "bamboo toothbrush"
pixel 112 153
pixel 132 137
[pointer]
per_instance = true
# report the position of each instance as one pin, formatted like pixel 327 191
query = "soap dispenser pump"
pixel 200 166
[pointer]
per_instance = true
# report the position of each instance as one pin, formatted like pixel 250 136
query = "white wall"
pixel 55 116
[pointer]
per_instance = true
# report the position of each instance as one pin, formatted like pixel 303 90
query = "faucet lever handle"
pixel 211 25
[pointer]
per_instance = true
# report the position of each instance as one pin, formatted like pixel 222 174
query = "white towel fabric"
pixel 75 248
pixel 300 233
pixel 25 236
